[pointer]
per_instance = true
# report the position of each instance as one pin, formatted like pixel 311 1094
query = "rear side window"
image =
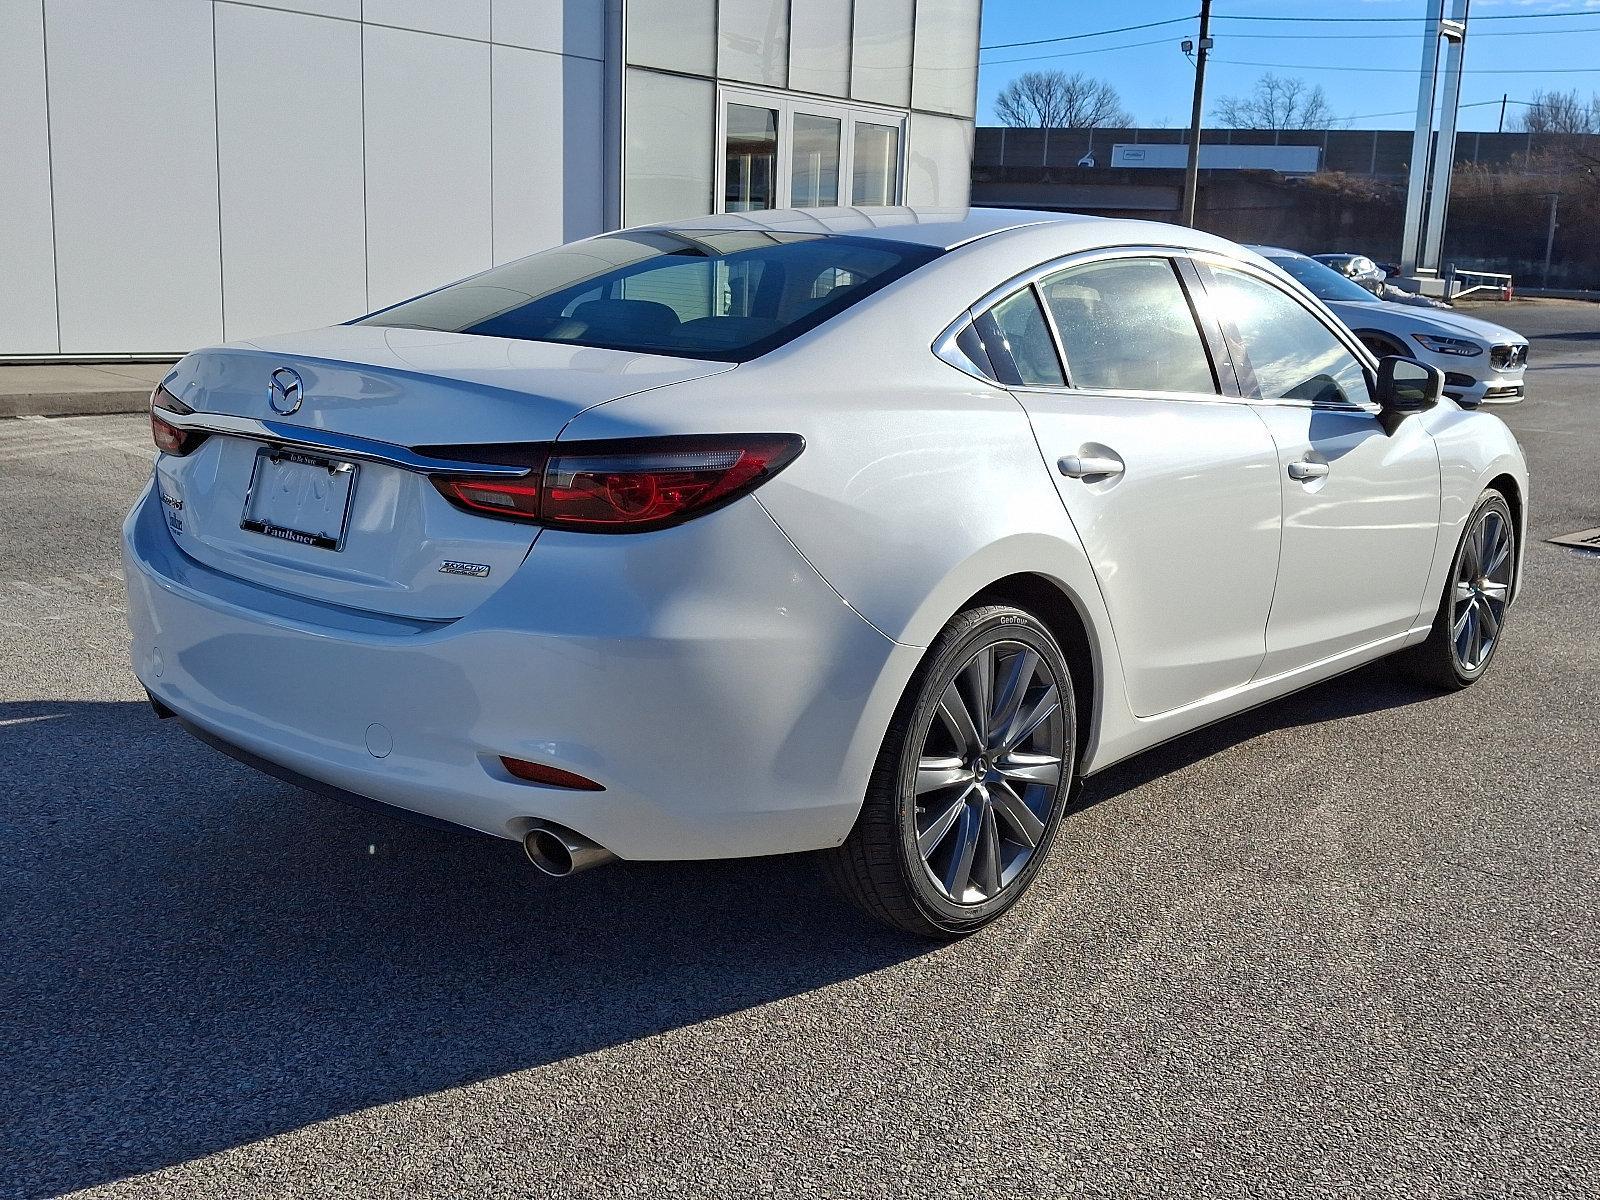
pixel 1126 325
pixel 1294 355
pixel 721 294
pixel 1018 342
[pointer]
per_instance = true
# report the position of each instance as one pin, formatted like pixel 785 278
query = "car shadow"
pixel 199 956
pixel 1372 688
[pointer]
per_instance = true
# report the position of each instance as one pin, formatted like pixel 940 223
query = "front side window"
pixel 1017 342
pixel 1294 355
pixel 1126 325
pixel 722 294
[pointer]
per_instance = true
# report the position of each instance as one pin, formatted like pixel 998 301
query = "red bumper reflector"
pixel 550 776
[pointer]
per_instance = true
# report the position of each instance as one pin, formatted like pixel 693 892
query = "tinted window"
pixel 701 294
pixel 1126 325
pixel 1322 281
pixel 1018 342
pixel 1294 355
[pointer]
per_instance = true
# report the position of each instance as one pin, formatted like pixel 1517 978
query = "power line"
pixel 995 62
pixel 1234 62
pixel 1544 16
pixel 1410 37
pixel 1075 37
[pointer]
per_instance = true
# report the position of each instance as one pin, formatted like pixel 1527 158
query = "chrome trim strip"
pixel 345 445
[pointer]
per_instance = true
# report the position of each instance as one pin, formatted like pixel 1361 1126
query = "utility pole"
pixel 1503 99
pixel 1191 177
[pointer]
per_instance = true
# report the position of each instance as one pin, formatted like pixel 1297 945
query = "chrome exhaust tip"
pixel 559 852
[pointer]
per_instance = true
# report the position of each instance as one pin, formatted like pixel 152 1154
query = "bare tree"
pixel 1056 100
pixel 1560 112
pixel 1277 102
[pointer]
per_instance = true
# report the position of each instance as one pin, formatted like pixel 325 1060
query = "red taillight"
pixel 169 438
pixel 627 486
pixel 551 776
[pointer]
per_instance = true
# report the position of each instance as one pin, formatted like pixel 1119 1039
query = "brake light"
pixel 170 438
pixel 624 486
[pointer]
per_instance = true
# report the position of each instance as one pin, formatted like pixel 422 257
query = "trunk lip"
pixel 346 445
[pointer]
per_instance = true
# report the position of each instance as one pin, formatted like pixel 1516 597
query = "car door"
pixel 1360 498
pixel 1170 483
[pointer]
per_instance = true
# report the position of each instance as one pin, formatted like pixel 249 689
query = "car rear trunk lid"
pixel 310 487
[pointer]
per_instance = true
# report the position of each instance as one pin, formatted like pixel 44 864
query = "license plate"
pixel 300 498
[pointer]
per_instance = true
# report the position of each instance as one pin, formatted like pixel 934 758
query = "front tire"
pixel 971 782
pixel 1467 628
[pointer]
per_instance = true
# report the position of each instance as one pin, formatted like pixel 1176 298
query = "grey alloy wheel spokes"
pixel 1481 590
pixel 989 770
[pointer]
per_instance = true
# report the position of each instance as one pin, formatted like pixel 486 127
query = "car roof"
pixel 944 228
pixel 1277 252
pixel 948 228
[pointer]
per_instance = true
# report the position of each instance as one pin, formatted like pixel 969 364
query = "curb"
pixel 73 404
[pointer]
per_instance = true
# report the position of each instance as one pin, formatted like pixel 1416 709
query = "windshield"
pixel 728 295
pixel 1321 281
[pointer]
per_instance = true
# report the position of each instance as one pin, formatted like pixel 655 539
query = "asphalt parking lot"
pixel 1343 945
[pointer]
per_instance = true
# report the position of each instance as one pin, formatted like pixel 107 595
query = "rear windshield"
pixel 728 295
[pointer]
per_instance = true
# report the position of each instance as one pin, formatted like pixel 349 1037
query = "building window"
pixel 750 159
pixel 876 178
pixel 814 173
pixel 788 152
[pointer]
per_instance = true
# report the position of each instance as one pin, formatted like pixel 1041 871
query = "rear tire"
pixel 986 731
pixel 1468 628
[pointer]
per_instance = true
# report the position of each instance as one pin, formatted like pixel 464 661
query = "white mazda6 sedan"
pixel 868 532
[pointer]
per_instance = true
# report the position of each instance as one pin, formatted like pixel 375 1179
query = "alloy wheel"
pixel 1482 589
pixel 990 765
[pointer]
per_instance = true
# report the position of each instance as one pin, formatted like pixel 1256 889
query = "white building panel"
pixel 289 140
pixel 560 26
pixel 819 47
pixel 27 257
pixel 458 18
pixel 350 10
pixel 880 62
pixel 428 188
pixel 939 162
pixel 548 174
pixel 134 144
pixel 753 41
pixel 945 69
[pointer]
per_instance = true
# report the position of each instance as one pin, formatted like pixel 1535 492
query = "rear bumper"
pixel 729 702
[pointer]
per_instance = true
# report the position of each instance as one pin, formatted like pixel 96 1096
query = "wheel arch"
pixel 1061 613
pixel 1507 485
pixel 1379 335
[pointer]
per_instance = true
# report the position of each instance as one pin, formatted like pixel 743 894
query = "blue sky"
pixel 1518 56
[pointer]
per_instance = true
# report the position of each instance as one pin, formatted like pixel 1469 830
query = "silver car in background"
pixel 1482 362
pixel 1357 268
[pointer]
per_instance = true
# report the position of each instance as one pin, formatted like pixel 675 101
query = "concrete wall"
pixel 179 172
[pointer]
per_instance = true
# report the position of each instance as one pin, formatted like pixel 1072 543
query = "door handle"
pixel 1089 466
pixel 1306 469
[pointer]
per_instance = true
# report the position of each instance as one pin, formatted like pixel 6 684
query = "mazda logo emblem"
pixel 284 392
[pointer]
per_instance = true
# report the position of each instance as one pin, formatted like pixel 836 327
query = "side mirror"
pixel 1407 386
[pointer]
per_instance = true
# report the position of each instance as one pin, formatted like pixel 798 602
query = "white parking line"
pixel 75 431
